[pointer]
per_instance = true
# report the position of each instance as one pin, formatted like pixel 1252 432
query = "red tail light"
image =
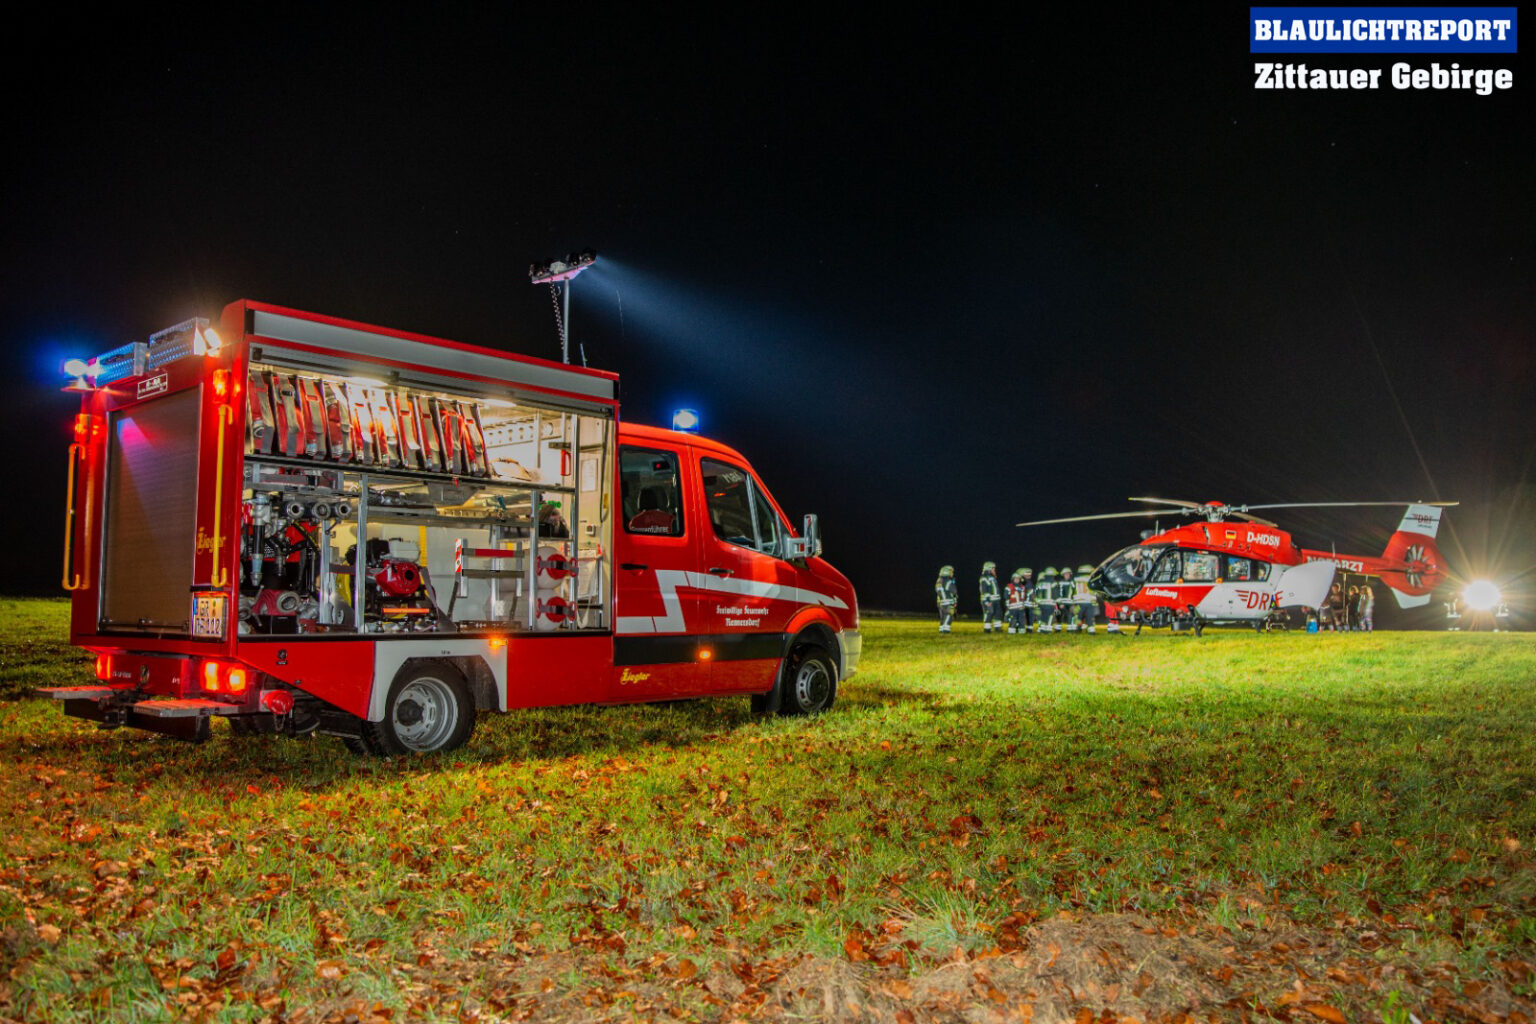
pixel 222 677
pixel 103 667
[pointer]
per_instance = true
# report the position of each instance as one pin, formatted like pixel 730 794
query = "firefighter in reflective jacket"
pixel 1018 600
pixel 1028 583
pixel 1085 605
pixel 1045 601
pixel 1067 608
pixel 991 598
pixel 944 590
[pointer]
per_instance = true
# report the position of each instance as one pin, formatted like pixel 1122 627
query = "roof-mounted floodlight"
pixel 558 274
pixel 686 420
pixel 556 271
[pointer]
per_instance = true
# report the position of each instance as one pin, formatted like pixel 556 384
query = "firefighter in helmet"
pixel 1085 597
pixel 1027 581
pixel 1045 600
pixel 991 598
pixel 1018 600
pixel 944 590
pixel 1066 601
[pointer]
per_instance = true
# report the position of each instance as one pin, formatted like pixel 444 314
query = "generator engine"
pixel 399 594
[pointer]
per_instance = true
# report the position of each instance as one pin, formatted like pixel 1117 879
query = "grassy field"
pixel 1335 827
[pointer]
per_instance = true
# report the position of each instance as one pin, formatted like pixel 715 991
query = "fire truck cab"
pixel 303 524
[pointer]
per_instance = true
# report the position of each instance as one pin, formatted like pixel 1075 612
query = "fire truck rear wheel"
pixel 809 683
pixel 429 708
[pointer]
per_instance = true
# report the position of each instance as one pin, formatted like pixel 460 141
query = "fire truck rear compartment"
pixel 150 503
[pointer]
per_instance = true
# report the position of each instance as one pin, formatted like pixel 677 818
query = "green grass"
pixel 963 789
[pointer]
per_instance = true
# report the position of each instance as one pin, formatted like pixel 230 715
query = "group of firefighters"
pixel 1051 604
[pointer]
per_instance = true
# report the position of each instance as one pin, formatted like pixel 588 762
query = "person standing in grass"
pixel 1085 597
pixel 1332 611
pixel 1045 600
pixel 991 598
pixel 947 595
pixel 1028 585
pixel 1018 597
pixel 1367 608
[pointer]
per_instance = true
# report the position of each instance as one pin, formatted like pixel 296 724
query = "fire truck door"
pixel 657 650
pixel 752 592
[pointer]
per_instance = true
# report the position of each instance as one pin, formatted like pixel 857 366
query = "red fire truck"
pixel 303 524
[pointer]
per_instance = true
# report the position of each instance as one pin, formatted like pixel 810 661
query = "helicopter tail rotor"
pixel 1417 566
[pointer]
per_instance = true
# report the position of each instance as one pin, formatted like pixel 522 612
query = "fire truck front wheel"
pixel 810 681
pixel 429 708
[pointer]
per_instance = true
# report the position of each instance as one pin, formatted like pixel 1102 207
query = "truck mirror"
pixel 808 544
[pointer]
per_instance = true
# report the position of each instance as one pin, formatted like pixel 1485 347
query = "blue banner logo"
pixel 1466 30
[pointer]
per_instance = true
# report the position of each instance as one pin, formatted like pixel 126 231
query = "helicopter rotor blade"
pixel 1349 504
pixel 1255 519
pixel 1171 501
pixel 1083 519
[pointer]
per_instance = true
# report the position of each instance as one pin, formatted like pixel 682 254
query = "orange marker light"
pixel 705 654
pixel 211 676
pixel 236 682
pixel 103 667
pixel 221 385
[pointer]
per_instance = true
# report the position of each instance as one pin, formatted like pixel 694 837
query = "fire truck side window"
pixel 649 491
pixel 767 523
pixel 737 512
pixel 1167 569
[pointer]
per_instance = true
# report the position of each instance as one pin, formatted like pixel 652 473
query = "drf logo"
pixel 1255 599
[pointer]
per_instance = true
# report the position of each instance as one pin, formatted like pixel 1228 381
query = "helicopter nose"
pixel 1096 582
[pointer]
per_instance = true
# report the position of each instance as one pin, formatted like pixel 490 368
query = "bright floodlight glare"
pixel 686 420
pixel 1480 595
pixel 75 367
pixel 563 269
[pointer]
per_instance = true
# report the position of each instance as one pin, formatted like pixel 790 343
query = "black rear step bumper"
pixel 192 728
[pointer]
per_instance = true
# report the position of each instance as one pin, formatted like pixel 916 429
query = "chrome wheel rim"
pixel 812 684
pixel 425 714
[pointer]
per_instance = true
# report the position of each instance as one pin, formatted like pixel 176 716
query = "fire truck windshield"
pixel 1122 574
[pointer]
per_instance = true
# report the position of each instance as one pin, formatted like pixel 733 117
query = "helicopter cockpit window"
pixel 1261 570
pixel 1200 566
pixel 1167 570
pixel 1123 574
pixel 1239 570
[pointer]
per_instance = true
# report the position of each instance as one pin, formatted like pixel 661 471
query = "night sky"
pixel 932 277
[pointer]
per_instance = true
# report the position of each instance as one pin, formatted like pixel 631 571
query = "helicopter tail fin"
pixel 1414 564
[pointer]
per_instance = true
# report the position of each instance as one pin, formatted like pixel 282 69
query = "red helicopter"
pixel 1223 571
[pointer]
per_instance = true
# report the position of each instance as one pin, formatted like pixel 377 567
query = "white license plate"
pixel 208 614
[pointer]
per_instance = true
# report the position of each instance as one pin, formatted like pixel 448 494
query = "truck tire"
pixel 809 683
pixel 429 709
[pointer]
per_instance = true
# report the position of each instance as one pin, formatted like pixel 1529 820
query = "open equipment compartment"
pixel 479 508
